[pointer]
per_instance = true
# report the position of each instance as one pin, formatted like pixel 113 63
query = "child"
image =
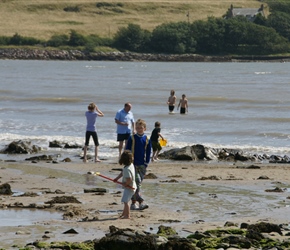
pixel 128 174
pixel 183 105
pixel 140 146
pixel 154 140
pixel 91 115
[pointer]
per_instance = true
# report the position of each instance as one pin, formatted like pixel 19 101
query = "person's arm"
pixel 129 143
pixel 128 181
pixel 159 134
pixel 186 105
pixel 148 153
pixel 118 177
pixel 133 127
pixel 120 123
pixel 99 112
pixel 178 104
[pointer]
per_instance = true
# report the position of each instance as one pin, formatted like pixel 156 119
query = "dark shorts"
pixel 123 137
pixel 171 108
pixel 95 138
pixel 156 146
pixel 182 110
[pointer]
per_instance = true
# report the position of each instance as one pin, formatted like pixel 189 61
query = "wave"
pixel 55 99
pixel 275 119
pixel 109 147
pixel 263 73
pixel 221 99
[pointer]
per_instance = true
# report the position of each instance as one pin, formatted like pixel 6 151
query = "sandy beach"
pixel 187 196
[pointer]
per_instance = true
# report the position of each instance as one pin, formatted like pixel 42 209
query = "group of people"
pixel 183 103
pixel 134 148
pixel 134 152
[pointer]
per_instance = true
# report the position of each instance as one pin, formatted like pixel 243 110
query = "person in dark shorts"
pixel 125 125
pixel 91 115
pixel 171 101
pixel 156 147
pixel 183 104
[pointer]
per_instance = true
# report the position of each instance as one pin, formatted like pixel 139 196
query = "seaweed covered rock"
pixel 21 147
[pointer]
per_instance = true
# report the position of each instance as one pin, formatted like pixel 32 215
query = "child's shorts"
pixel 127 195
pixel 156 146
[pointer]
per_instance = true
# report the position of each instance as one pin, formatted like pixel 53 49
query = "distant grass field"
pixel 44 18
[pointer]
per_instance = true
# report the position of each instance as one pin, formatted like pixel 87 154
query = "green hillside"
pixel 42 19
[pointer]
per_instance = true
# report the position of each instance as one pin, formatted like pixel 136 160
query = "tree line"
pixel 217 36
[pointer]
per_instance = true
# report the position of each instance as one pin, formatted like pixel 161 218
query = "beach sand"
pixel 181 209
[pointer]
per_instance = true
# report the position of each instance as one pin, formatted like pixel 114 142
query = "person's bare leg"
pixel 156 155
pixel 120 148
pixel 85 154
pixel 96 154
pixel 126 211
pixel 153 155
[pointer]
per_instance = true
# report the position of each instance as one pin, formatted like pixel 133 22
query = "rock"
pixel 63 199
pixel 119 239
pixel 276 189
pixel 22 233
pixel 55 144
pixel 5 189
pixel 95 190
pixel 66 160
pixel 199 151
pixel 42 158
pixel 264 227
pixel 69 145
pixel 166 231
pixel 183 154
pixel 21 147
pixel 150 176
pixel 263 177
pixel 70 231
pixel 212 177
pixel 230 224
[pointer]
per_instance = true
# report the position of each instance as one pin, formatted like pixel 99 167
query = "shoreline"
pixel 102 210
pixel 74 55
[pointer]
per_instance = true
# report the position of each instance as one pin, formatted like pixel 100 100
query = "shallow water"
pixel 197 200
pixel 26 217
pixel 212 200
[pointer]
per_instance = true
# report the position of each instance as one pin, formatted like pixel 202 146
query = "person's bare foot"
pixel 85 160
pixel 97 160
pixel 125 217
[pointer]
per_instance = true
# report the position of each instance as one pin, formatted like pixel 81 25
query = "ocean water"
pixel 233 105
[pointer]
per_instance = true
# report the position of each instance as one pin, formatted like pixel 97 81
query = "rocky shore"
pixel 70 55
pixel 196 152
pixel 88 210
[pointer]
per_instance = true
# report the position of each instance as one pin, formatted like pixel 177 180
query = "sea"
pixel 231 105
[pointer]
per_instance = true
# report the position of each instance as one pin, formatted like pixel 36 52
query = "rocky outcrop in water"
pixel 199 152
pixel 21 147
pixel 195 152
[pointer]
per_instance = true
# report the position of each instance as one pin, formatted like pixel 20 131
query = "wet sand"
pixel 187 196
